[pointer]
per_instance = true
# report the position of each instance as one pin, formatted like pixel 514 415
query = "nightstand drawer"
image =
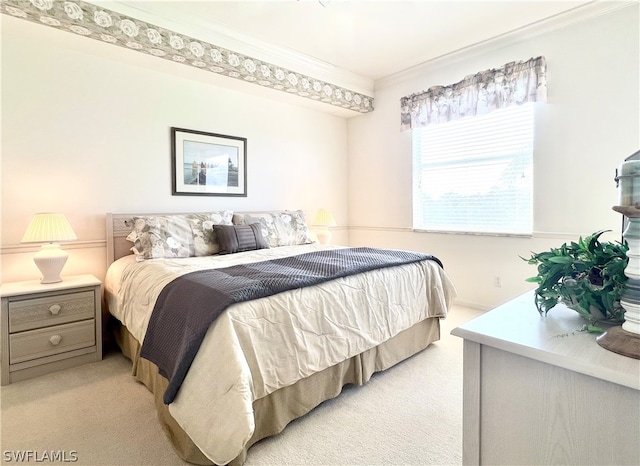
pixel 43 342
pixel 42 312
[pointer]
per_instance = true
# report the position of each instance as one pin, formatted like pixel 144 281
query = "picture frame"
pixel 207 164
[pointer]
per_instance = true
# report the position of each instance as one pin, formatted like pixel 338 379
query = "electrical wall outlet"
pixel 497 281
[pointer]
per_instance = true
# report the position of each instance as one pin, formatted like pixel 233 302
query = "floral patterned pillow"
pixel 280 228
pixel 180 235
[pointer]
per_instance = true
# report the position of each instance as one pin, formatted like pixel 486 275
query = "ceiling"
pixel 370 39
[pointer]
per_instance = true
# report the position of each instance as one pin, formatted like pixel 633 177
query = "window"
pixel 475 174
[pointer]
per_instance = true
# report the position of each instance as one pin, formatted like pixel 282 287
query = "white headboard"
pixel 118 227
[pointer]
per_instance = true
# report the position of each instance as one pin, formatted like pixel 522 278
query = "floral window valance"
pixel 513 84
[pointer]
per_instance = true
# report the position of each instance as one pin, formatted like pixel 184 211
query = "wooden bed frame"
pixel 272 412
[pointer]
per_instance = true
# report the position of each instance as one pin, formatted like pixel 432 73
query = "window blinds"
pixel 475 174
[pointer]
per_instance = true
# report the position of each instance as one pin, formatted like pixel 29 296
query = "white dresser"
pixel 537 391
pixel 49 327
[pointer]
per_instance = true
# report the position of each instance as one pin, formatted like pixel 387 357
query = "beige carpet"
pixel 97 414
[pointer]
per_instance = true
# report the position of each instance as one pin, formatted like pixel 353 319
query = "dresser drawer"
pixel 43 342
pixel 42 312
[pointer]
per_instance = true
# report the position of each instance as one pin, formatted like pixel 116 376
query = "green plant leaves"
pixel 594 329
pixel 561 259
pixel 587 275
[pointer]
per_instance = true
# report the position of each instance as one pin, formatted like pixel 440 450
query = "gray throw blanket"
pixel 188 305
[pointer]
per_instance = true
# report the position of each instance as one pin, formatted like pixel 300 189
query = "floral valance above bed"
pixel 513 84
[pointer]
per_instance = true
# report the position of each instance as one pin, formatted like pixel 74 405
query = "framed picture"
pixel 208 164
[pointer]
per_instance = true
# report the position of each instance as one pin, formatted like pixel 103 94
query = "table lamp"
pixel 324 219
pixel 51 258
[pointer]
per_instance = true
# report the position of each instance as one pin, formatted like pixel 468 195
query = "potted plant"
pixel 587 276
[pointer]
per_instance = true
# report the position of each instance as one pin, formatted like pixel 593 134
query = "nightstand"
pixel 49 327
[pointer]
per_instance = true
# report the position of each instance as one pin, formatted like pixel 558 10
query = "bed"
pixel 265 361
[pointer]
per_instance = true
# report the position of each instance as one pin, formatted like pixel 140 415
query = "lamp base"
pixel 324 236
pixel 620 341
pixel 50 259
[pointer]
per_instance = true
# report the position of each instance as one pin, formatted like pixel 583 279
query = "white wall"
pixel 589 125
pixel 86 130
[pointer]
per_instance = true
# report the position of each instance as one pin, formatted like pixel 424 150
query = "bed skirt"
pixel 274 411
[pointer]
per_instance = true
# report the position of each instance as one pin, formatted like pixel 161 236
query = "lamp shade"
pixel 48 228
pixel 324 218
pixel 50 259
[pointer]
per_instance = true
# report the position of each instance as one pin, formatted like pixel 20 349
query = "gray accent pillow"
pixel 239 238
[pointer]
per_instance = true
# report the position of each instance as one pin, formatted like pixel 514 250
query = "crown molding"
pixel 161 38
pixel 561 20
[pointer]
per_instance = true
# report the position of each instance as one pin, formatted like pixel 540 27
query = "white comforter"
pixel 257 347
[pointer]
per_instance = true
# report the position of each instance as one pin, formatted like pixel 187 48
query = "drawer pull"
pixel 54 309
pixel 55 340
